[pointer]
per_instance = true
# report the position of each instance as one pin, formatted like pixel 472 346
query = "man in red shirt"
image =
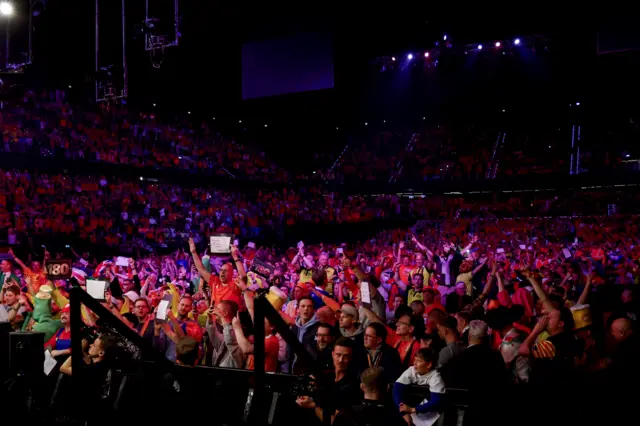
pixel 271 346
pixel 222 286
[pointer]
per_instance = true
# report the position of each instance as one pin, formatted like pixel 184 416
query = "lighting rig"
pixel 429 57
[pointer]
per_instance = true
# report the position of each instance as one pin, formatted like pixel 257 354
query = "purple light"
pixel 393 58
pixel 444 37
pixel 426 54
pixel 409 56
pixel 516 41
pixel 497 44
pixel 479 47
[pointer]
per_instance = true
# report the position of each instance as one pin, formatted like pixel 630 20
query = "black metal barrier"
pixel 255 389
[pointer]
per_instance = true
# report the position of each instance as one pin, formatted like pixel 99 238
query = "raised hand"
pixel 541 325
pixel 235 253
pixel 235 323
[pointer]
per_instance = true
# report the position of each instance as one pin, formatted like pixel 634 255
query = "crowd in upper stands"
pixel 46 124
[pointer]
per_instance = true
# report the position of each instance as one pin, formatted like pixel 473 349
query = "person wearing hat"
pixel 350 325
pixel 501 320
pixel 60 343
pixel 44 321
pixel 552 358
pixel 130 298
pixel 582 329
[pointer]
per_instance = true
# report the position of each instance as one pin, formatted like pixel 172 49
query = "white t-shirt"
pixel 431 379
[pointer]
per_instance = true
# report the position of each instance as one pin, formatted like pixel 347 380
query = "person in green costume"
pixel 44 321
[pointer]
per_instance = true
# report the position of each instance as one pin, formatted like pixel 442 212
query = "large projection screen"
pixel 298 63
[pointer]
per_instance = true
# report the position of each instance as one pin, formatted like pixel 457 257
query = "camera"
pixel 90 334
pixel 303 386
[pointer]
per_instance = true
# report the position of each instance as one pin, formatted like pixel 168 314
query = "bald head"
pixel 621 329
pixel 325 314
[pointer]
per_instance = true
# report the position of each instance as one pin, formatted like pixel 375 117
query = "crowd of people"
pixel 546 302
pixel 111 211
pixel 46 124
pixel 482 294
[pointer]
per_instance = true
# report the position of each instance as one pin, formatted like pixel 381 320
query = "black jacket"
pixel 388 358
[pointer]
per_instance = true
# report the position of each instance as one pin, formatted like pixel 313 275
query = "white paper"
pixel 500 250
pixel 122 261
pixel 566 252
pixel 220 244
pixel 49 362
pixel 251 244
pixel 96 289
pixel 522 247
pixel 365 295
pixel 163 307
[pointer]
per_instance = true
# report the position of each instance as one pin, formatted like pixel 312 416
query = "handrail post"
pixel 77 363
pixel 259 356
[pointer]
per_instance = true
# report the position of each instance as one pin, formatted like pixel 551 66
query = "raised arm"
pixel 235 254
pixel 206 275
pixel 539 291
pixel 245 345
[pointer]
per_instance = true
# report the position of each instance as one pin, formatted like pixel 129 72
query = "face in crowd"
pixel 226 273
pixel 184 307
pixel 371 339
pixel 305 309
pixel 324 337
pixel 141 309
pixel 417 281
pixel 341 358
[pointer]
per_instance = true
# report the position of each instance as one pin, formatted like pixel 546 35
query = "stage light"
pixel 6 8
pixel 516 41
pixel 409 56
pixel 393 58
pixel 497 44
pixel 479 47
pixel 444 37
pixel 426 54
